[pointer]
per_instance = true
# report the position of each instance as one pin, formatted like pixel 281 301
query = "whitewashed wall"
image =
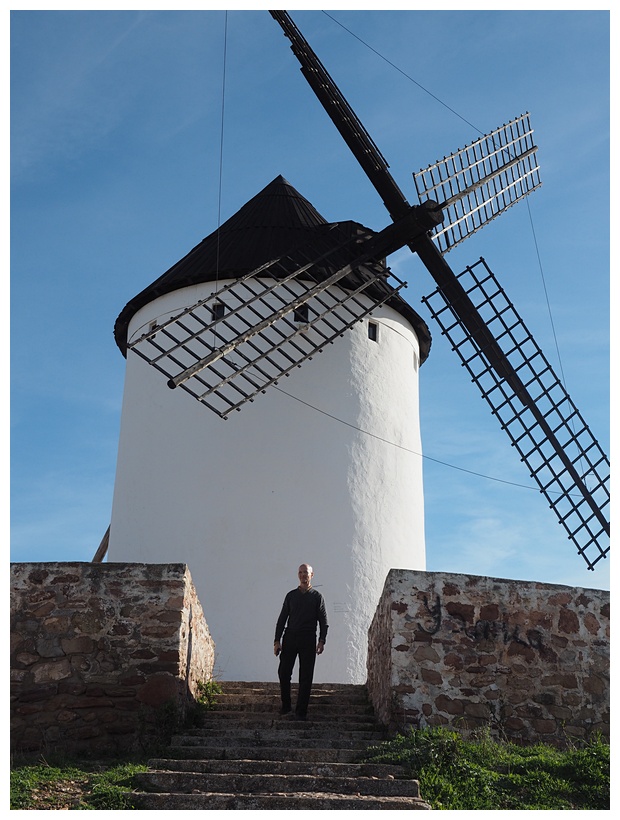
pixel 244 501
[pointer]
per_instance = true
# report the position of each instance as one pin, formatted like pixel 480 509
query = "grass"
pixel 98 785
pixel 482 773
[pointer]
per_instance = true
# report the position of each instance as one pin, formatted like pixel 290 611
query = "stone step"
pixel 329 710
pixel 351 689
pixel 383 771
pixel 287 731
pixel 328 704
pixel 359 696
pixel 269 740
pixel 234 783
pixel 231 754
pixel 353 696
pixel 274 802
pixel 247 716
pixel 265 724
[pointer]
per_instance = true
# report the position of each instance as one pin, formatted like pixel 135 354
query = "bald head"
pixel 305 573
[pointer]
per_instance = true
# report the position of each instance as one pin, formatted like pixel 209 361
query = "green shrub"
pixel 208 691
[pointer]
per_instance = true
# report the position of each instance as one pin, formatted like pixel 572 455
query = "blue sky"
pixel 116 120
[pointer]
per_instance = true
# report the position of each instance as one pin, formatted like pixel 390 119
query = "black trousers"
pixel 294 645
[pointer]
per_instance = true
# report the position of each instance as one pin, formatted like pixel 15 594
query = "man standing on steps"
pixel 302 610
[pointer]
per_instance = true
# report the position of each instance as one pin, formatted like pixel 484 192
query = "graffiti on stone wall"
pixel 434 613
pixel 502 631
pixel 498 630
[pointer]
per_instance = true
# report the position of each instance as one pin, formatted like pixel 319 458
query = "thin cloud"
pixel 69 108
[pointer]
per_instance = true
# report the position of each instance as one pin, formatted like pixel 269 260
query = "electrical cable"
pixel 400 446
pixel 465 120
pixel 301 401
pixel 475 127
pixel 221 162
pixel 415 82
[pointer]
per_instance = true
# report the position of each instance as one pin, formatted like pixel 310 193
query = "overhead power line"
pixel 400 446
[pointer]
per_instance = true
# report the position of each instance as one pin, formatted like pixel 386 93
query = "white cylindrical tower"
pixel 324 468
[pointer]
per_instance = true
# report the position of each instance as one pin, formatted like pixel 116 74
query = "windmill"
pixel 224 363
pixel 475 185
pixel 224 466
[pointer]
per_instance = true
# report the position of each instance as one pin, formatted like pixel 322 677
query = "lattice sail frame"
pixel 479 182
pixel 584 514
pixel 274 319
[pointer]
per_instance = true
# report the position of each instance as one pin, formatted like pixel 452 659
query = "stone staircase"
pixel 247 756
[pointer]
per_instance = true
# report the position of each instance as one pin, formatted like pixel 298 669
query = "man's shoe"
pixel 285 710
pixel 297 716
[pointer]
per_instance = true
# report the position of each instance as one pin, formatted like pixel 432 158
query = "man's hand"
pixel 320 647
pixel 276 648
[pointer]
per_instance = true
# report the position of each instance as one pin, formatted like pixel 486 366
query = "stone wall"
pixel 102 654
pixel 528 660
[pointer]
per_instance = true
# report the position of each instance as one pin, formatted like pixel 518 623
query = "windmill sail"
pixel 500 171
pixel 479 182
pixel 228 348
pixel 551 437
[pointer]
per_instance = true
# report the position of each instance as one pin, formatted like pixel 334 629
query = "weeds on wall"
pixel 208 692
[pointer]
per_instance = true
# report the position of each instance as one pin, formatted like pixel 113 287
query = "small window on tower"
pixel 301 314
pixel 373 331
pixel 218 309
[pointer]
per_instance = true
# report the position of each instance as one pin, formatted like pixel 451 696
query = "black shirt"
pixel 303 610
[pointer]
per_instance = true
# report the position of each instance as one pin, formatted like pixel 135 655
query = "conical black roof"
pixel 276 221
